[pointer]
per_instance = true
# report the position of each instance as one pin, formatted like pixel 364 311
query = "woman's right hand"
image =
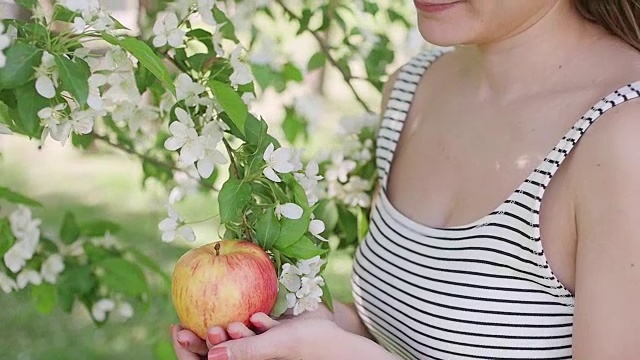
pixel 188 346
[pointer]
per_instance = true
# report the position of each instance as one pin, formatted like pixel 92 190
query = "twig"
pixel 325 49
pixel 121 147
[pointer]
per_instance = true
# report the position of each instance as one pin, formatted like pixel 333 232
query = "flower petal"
pixel 271 175
pixel 291 211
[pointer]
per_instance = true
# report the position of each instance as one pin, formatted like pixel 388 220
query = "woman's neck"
pixel 534 58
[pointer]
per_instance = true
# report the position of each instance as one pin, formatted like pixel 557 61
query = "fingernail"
pixel 183 343
pixel 219 354
pixel 214 338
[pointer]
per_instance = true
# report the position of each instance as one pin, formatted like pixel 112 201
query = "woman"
pixel 452 270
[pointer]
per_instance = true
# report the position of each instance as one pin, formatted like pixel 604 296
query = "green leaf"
pixel 153 170
pixel 61 13
pixel 16 198
pixel 327 299
pixel 124 277
pixel 6 236
pixel 70 230
pixel 304 21
pixel 99 228
pixel 299 194
pixel 21 61
pixel 81 141
pixel 28 4
pixel 76 281
pixel 144 78
pixel 294 126
pixel 228 30
pixel 363 224
pixel 147 57
pixel 267 229
pixel 292 230
pixel 149 263
pixel 230 102
pixel 96 254
pixel 203 36
pixel 44 297
pixel 327 211
pixel 255 130
pixel 317 61
pixel 232 199
pixel 74 77
pixel 348 224
pixel 200 61
pixel 29 103
pixel 292 73
pixel 302 249
pixel 281 302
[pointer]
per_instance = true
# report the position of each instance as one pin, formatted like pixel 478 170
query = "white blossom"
pixel 94 100
pixel 266 53
pixel 81 6
pixel 4 130
pixel 205 8
pixel 309 295
pixel 355 125
pixel 309 182
pixel 241 72
pixel 173 225
pixel 79 25
pixel 27 233
pixel 311 108
pixel 185 137
pixel 100 309
pixel 277 160
pixel 107 241
pixel 317 227
pixel 289 210
pixel 46 76
pixel 339 168
pixel 290 277
pixel 5 41
pixel 7 284
pixel 356 192
pixel 310 267
pixel 248 98
pixel 14 259
pixel 124 310
pixel 28 276
pixel 51 268
pixel 211 137
pixel 188 90
pixel 166 31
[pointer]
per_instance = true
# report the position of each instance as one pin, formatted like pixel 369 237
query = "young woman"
pixel 473 251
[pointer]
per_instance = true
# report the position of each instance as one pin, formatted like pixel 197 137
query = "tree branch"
pixel 325 49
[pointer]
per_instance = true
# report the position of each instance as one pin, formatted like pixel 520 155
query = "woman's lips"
pixel 430 7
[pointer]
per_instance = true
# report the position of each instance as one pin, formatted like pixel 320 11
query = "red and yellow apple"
pixel 221 283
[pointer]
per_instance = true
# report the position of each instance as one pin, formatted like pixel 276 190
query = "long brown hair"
pixel 619 17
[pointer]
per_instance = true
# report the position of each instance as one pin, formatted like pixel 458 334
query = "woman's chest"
pixel 455 165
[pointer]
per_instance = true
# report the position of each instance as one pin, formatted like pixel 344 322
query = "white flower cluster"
pixel 303 284
pixel 6 38
pixel 104 306
pixel 26 231
pixel 92 15
pixel 370 39
pixel 174 225
pixel 341 183
pixel 196 148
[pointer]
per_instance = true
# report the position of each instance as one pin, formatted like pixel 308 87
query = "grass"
pixel 95 186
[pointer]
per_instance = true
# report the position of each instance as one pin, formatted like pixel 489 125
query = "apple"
pixel 221 283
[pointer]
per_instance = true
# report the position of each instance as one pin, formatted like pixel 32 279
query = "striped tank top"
pixel 478 291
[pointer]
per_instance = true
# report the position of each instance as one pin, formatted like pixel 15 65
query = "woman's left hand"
pixel 283 340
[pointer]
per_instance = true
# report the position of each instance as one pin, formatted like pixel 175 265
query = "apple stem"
pixel 216 247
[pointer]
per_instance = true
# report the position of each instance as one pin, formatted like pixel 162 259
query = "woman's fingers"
pixel 263 322
pixel 182 344
pixel 215 336
pixel 238 330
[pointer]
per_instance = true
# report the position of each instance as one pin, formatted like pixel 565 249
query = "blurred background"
pixel 104 183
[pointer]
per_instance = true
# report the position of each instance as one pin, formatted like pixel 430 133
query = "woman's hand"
pixel 188 346
pixel 299 338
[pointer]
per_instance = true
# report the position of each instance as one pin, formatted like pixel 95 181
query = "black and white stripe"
pixel 479 291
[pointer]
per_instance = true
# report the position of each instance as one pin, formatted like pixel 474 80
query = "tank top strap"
pixel 568 142
pixel 398 106
pixel 543 174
